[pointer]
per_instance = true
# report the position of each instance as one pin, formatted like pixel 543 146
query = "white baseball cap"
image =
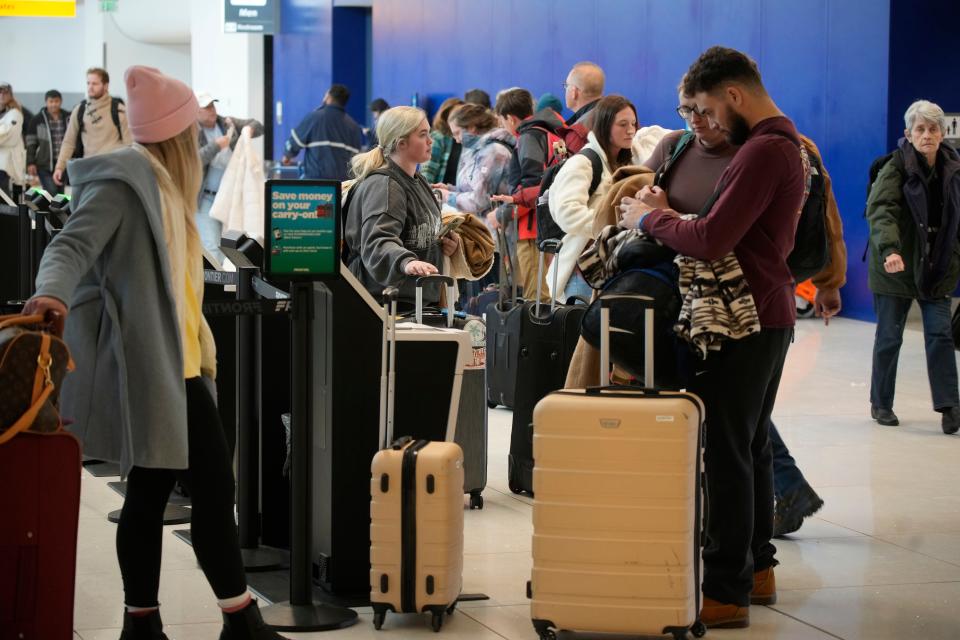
pixel 205 99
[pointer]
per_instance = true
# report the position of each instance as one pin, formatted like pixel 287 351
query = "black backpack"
pixel 811 246
pixel 114 115
pixel 547 227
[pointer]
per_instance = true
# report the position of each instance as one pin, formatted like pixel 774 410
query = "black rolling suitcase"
pixel 503 337
pixel 547 341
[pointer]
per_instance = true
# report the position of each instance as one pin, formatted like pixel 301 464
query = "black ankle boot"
pixel 148 627
pixel 247 624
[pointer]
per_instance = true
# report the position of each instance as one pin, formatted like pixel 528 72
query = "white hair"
pixel 924 110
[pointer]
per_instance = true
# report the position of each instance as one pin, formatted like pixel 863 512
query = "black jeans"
pixel 937 337
pixel 738 386
pixel 209 479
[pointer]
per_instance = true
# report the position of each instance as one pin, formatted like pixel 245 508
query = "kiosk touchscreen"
pixel 302 228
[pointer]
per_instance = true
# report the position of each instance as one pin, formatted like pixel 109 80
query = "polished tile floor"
pixel 880 561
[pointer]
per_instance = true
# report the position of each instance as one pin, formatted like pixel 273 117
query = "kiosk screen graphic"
pixel 302 227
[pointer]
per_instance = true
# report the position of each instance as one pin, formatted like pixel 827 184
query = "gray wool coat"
pixel 110 266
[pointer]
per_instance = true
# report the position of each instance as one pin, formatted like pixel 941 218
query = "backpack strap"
pixel 81 109
pixel 115 115
pixel 597 165
pixel 682 144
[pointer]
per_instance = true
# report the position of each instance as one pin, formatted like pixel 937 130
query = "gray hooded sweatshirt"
pixel 109 265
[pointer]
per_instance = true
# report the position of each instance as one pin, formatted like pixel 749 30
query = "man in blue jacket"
pixel 330 138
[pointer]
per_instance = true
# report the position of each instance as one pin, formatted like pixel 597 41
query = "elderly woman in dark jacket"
pixel 914 211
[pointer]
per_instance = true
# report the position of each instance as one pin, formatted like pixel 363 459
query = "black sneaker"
pixel 793 508
pixel 247 624
pixel 886 417
pixel 950 422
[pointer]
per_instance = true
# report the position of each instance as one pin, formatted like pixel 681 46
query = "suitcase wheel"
pixel 545 629
pixel 452 608
pixel 491 404
pixel 549 634
pixel 378 618
pixel 698 629
pixel 476 500
pixel 436 621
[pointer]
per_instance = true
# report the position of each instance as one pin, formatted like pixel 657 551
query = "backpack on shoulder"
pixel 79 113
pixel 547 227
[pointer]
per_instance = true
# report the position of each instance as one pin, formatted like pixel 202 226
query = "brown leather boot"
pixel 764 587
pixel 717 615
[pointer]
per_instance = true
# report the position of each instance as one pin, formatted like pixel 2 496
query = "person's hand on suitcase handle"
pixel 53 311
pixel 419 268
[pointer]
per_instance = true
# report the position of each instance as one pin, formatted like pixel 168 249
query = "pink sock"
pixel 237 603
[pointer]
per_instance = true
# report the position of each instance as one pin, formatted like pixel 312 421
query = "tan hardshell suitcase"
pixel 617 508
pixel 416 523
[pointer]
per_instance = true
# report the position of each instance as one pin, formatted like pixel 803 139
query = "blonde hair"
pixel 393 125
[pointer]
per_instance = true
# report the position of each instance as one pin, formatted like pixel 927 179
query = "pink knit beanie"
pixel 158 106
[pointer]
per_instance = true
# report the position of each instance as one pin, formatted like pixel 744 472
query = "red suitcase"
pixel 39 512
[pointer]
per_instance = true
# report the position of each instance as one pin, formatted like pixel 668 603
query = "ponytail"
pixel 393 125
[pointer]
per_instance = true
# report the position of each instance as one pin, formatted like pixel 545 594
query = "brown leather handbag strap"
pixel 16 320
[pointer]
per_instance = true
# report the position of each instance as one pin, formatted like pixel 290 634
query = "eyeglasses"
pixel 687 113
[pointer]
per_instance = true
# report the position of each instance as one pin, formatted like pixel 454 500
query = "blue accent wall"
pixel 302 63
pixel 825 62
pixel 351 49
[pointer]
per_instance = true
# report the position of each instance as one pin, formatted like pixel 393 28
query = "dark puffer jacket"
pixel 898 211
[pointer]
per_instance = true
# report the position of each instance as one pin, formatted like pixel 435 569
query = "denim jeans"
pixel 577 286
pixel 46 181
pixel 938 340
pixel 787 477
pixel 209 228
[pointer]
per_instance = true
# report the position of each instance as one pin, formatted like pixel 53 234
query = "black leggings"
pixel 209 479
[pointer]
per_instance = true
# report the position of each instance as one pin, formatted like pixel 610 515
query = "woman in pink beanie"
pixel 128 267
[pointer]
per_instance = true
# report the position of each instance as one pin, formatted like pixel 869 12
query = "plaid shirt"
pixel 57 130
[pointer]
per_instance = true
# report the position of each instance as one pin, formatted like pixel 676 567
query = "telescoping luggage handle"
pixel 550 245
pixel 388 365
pixel 647 303
pixel 504 254
pixel 451 296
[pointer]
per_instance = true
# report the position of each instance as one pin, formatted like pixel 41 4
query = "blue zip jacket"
pixel 330 138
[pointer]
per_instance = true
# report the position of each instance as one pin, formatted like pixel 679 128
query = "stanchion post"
pixel 248 437
pixel 25 243
pixel 300 613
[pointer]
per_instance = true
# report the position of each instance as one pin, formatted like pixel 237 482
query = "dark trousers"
pixel 738 386
pixel 209 479
pixel 787 477
pixel 941 362
pixel 46 181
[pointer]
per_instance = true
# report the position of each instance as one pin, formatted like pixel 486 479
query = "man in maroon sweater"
pixel 755 216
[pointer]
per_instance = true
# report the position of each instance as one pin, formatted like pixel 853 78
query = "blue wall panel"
pixel 824 61
pixel 923 58
pixel 302 62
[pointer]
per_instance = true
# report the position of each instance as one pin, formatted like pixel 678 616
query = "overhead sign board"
pixel 250 16
pixel 39 8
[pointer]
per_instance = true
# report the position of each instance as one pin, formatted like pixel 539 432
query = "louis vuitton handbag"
pixel 33 363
